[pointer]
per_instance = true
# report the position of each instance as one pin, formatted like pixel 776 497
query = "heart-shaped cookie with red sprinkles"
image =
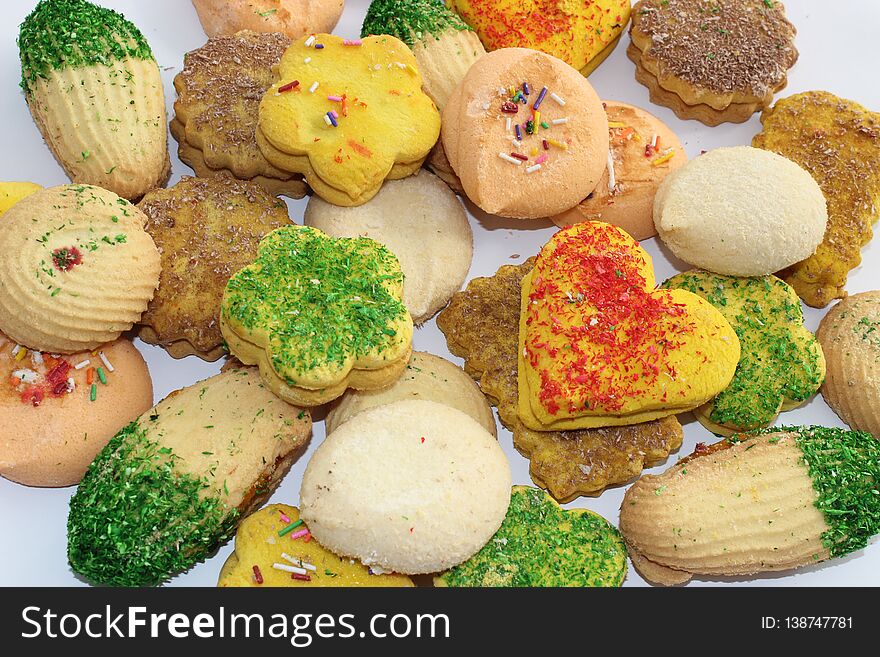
pixel 600 346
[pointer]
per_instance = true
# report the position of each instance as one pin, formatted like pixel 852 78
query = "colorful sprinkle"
pixel 106 361
pixel 290 86
pixel 71 384
pixel 545 125
pixel 319 46
pixel 290 528
pixel 508 158
pixel 541 159
pixel 90 376
pixel 663 158
pixel 518 131
pixel 289 569
pixel 616 124
pixel 299 534
pixel 540 98
pixel 307 60
pixel 333 114
pixel 310 41
pixel 335 99
pixel 313 87
pixel 559 99
pixel 304 578
pixel 509 107
pixel 508 124
pixel 332 119
pixel 525 88
pixel 519 156
pixel 284 517
pixel 21 354
pixel 16 349
pixel 564 119
pixel 352 42
pixel 258 576
pixel 558 144
pixel 533 168
pixel 94 393
pixel 536 118
pixel 101 376
pixel 82 364
pixel 545 144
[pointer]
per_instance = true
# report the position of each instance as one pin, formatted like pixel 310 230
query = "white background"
pixel 837 43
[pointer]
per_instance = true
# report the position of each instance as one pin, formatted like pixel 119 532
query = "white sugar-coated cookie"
pixel 423 223
pixel 740 211
pixel 410 487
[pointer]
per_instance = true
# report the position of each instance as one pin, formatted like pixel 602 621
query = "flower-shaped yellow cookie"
pixel 318 315
pixel 347 114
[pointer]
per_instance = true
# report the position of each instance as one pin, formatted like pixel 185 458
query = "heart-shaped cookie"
pixel 600 346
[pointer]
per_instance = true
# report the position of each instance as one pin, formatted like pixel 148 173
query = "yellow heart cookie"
pixel 599 346
pixel 347 114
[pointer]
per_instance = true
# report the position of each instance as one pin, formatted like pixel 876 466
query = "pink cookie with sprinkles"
pixel 526 134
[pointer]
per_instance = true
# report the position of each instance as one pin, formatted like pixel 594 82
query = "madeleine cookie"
pixel 714 62
pixel 218 95
pixel 422 223
pixel 80 268
pixel 851 340
pixel 580 34
pixel 59 411
pixel 781 364
pixel 293 18
pixel 541 544
pixel 526 134
pixel 206 230
pixel 174 484
pixel 12 192
pixel 93 88
pixel 764 213
pixel 318 315
pixel 410 487
pixel 838 142
pixel 481 325
pixel 265 555
pixel 789 497
pixel 599 346
pixel 347 114
pixel 643 150
pixel 426 377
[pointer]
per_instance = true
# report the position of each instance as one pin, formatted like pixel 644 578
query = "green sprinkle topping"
pixel 410 20
pixel 101 376
pixel 93 393
pixel 290 527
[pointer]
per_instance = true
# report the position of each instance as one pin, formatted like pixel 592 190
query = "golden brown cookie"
pixel 293 18
pixel 481 325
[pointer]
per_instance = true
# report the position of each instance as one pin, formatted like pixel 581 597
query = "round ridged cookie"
pixel 80 268
pixel 423 223
pixel 411 487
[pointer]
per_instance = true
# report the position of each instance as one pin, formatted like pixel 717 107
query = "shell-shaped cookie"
pixel 79 268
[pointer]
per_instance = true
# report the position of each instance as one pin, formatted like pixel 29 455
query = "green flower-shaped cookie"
pixel 781 363
pixel 318 315
pixel 541 544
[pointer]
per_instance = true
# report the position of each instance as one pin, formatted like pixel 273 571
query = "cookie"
pixel 426 377
pixel 262 544
pixel 175 483
pixel 293 18
pixel 58 411
pixel 218 95
pixel 599 346
pixel 318 315
pixel 541 544
pixel 730 56
pixel 851 341
pixel 481 326
pixel 410 487
pixel 781 364
pixel 81 269
pixel 643 150
pixel 422 223
pixel 837 141
pixel 12 192
pixel 206 230
pixel 347 114
pixel 526 134
pixel 580 34
pixel 438 164
pixel 764 213
pixel 789 497
pixel 93 88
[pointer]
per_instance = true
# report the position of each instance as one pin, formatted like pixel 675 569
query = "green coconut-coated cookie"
pixel 410 20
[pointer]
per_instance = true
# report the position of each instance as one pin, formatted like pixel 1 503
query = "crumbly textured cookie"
pixel 80 268
pixel 59 411
pixel 318 315
pixel 422 223
pixel 851 340
pixel 206 229
pixel 347 114
pixel 218 95
pixel 426 377
pixel 12 192
pixel 410 487
pixel 174 484
pixel 729 53
pixel 781 364
pixel 438 164
pixel 764 213
pixel 293 18
pixel 838 142
pixel 642 151
pixel 789 497
pixel 541 544
pixel 93 88
pixel 580 34
pixel 599 346
pixel 262 543
pixel 481 325
pixel 526 134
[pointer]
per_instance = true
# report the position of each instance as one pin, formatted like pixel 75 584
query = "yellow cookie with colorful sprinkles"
pixel 12 192
pixel 274 548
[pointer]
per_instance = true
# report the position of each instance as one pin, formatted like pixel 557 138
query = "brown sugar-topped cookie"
pixel 715 61
pixel 206 230
pixel 219 91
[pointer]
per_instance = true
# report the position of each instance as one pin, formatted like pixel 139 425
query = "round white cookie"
pixel 423 223
pixel 411 487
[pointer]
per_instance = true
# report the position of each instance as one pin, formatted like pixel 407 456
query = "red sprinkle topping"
pixel 509 107
pixel 304 578
pixel 290 86
pixel 32 395
pixel 66 258
pixel 519 156
pixel 258 576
